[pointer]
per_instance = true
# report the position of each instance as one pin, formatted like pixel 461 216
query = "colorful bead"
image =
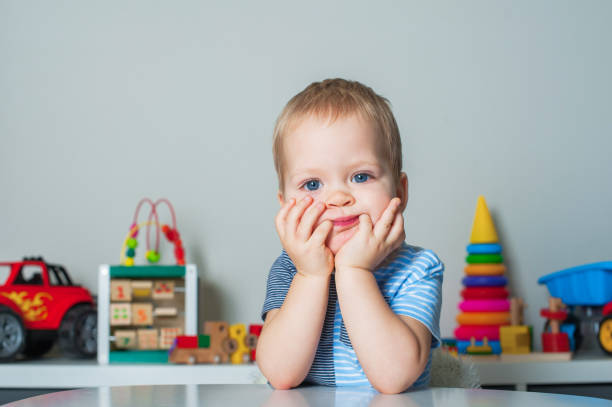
pixel 132 243
pixel 130 252
pixel 152 256
pixel 129 261
pixel 134 229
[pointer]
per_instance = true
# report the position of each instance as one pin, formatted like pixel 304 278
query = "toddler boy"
pixel 347 302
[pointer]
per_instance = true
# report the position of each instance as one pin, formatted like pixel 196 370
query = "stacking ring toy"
pixel 466 332
pixel 471 293
pixel 480 281
pixel 463 345
pixel 485 269
pixel 484 248
pixel 489 305
pixel 484 258
pixel 483 318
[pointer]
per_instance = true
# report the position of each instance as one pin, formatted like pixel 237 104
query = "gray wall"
pixel 104 103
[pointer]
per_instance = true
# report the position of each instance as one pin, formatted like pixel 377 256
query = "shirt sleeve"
pixel 420 295
pixel 279 280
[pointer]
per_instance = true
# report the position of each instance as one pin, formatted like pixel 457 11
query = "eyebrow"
pixel 301 173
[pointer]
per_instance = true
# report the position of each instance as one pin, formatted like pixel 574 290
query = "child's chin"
pixel 336 241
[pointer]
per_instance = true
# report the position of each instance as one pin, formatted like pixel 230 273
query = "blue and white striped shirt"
pixel 410 280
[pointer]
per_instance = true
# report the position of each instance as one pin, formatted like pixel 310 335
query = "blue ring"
pixel 484 281
pixel 484 248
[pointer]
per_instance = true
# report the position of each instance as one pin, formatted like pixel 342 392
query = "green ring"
pixel 484 258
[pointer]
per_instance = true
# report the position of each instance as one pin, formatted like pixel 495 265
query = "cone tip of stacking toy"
pixel 483 229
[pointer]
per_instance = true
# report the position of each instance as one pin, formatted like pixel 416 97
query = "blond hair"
pixel 339 98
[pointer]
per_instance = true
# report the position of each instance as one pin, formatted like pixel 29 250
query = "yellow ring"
pixel 483 318
pixel 486 269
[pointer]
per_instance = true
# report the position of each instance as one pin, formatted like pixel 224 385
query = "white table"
pixel 263 395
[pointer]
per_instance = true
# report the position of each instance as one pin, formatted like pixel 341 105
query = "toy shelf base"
pixel 106 272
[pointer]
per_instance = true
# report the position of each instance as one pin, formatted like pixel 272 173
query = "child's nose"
pixel 339 199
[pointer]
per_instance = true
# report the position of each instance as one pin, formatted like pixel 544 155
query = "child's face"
pixel 341 165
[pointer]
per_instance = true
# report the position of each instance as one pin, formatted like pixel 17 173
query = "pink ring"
pixel 466 332
pixel 489 305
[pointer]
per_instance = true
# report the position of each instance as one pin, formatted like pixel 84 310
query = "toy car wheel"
pixel 605 334
pixel 38 343
pixel 78 332
pixel 12 334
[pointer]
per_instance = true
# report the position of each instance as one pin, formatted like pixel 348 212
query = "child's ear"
pixel 281 200
pixel 402 190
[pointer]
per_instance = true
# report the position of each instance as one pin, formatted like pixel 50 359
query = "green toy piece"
pixel 484 258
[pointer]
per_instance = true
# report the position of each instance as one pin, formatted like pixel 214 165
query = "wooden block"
pixel 147 339
pixel 163 290
pixel 192 356
pixel 121 290
pixel 125 338
pixel 203 341
pixel 141 288
pixel 142 314
pixel 167 336
pixel 221 345
pixel 515 339
pixel 165 312
pixel 120 314
pixel 241 354
pixel 187 341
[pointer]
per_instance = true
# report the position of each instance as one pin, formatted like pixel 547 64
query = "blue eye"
pixel 312 185
pixel 361 177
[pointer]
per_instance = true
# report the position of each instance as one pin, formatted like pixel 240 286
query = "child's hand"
pixel 370 245
pixel 305 247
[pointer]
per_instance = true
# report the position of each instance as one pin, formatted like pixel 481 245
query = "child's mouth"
pixel 345 221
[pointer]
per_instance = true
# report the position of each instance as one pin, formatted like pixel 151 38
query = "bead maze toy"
pixel 142 309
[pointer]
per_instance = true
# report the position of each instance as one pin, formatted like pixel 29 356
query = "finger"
pixel 365 223
pixel 281 216
pixel 382 227
pixel 295 214
pixel 309 219
pixel 319 236
pixel 396 235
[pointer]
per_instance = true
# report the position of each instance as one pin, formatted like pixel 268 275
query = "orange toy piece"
pixel 483 318
pixel 485 269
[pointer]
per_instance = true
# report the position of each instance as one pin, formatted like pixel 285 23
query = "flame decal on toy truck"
pixel 34 309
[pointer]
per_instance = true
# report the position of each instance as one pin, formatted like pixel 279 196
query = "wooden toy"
pixel 163 290
pixel 147 339
pixel 165 312
pixel 125 338
pixel 494 346
pixel 121 290
pixel 555 340
pixel 252 338
pixel 167 336
pixel 141 288
pixel 241 353
pixel 220 342
pixel 142 314
pixel 121 314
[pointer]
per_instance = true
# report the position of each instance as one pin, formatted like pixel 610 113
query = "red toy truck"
pixel 39 304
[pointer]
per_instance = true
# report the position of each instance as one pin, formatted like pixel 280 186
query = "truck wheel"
pixel 78 332
pixel 38 343
pixel 12 334
pixel 605 334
